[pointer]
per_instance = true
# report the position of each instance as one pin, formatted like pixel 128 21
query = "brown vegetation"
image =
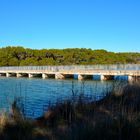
pixel 117 117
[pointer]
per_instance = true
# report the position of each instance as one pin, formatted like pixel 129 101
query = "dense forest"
pixel 19 56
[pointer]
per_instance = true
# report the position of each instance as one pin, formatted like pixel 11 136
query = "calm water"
pixel 37 94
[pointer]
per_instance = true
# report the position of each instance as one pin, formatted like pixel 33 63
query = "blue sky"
pixel 113 25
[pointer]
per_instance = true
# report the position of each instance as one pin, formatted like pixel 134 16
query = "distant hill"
pixel 19 56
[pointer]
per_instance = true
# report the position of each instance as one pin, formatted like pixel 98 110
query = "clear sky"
pixel 113 25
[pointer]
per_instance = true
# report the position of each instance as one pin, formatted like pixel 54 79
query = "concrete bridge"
pixel 106 72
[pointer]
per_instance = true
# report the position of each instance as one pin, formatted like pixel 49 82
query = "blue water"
pixel 37 94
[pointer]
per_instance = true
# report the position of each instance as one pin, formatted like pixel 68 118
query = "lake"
pixel 36 95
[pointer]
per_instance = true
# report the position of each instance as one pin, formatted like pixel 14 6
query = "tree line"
pixel 20 56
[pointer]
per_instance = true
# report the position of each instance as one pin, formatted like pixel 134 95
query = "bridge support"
pixel 80 77
pixel 59 76
pixel 19 75
pixel 106 77
pixel 30 75
pixel 44 75
pixel 8 74
pixel 132 78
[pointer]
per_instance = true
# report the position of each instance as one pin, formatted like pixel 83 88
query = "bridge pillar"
pixel 30 75
pixel 59 76
pixel 8 74
pixel 80 77
pixel 132 78
pixel 106 77
pixel 19 75
pixel 44 75
pixel 102 77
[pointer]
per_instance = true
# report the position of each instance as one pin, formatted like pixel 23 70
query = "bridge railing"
pixel 74 67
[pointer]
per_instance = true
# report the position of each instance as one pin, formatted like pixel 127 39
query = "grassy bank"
pixel 117 117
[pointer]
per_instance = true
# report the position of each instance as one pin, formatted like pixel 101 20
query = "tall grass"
pixel 116 116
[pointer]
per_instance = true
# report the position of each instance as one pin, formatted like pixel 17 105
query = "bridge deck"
pixel 106 71
pixel 82 72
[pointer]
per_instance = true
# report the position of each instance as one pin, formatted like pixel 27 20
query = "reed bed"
pixel 116 116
